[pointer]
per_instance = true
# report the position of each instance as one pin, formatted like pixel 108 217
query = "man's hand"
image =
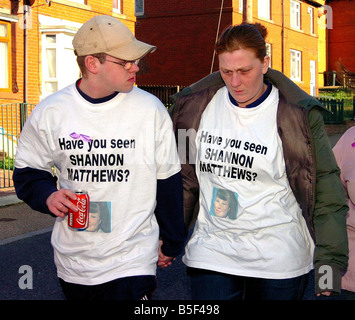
pixel 163 260
pixel 59 204
pixel 326 293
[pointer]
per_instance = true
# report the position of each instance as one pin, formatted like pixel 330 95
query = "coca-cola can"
pixel 79 220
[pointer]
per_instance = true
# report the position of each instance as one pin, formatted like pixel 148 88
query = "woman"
pixel 279 157
pixel 344 152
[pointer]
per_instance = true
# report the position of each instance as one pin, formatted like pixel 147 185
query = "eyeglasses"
pixel 125 64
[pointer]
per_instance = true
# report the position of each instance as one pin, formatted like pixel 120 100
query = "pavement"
pixel 18 220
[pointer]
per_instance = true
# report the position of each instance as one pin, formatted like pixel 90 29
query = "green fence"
pixel 336 108
pixel 12 119
pixel 163 92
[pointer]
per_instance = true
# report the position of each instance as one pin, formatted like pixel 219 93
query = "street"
pixel 27 270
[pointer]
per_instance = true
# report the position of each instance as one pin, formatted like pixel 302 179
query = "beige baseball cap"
pixel 109 35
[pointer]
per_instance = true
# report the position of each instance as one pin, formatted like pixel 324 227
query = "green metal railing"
pixel 336 108
pixel 12 118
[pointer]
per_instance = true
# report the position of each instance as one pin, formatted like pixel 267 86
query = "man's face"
pixel 115 77
pixel 243 73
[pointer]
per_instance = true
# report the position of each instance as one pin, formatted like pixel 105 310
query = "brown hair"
pixel 81 61
pixel 243 36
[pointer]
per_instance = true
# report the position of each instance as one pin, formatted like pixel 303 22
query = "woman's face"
pixel 221 207
pixel 243 74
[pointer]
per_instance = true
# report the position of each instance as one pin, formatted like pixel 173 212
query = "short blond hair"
pixel 81 62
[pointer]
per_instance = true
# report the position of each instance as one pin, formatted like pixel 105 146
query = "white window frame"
pixel 45 47
pixel 296 65
pixel 67 67
pixel 269 52
pixel 295 14
pixel 67 70
pixel 5 65
pixel 312 82
pixel 117 6
pixel 78 1
pixel 139 8
pixel 311 16
pixel 264 9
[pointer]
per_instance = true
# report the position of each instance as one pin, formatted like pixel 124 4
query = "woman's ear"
pixel 266 63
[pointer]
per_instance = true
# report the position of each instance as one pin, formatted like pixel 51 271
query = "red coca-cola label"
pixel 82 207
pixel 80 219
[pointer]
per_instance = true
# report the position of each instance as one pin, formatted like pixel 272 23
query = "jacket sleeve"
pixel 169 214
pixel 185 139
pixel 329 217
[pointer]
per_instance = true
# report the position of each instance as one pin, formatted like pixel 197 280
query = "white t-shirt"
pixel 115 150
pixel 249 223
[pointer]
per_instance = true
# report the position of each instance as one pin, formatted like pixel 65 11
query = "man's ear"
pixel 91 64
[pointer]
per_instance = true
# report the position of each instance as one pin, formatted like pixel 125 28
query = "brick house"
pixel 50 63
pixel 185 32
pixel 341 37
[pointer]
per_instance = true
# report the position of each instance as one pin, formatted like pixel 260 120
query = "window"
pixel 311 17
pixel 241 5
pixel 59 67
pixel 295 14
pixel 312 83
pixel 296 65
pixel 117 6
pixel 50 65
pixel 78 1
pixel 5 56
pixel 139 7
pixel 264 9
pixel 268 52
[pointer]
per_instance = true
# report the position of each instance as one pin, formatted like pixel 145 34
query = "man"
pixel 107 137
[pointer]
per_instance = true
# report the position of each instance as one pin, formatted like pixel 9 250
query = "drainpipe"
pixel 248 11
pixel 282 36
pixel 26 9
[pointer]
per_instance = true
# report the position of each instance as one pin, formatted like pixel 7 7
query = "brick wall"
pixel 185 37
pixel 185 32
pixel 341 37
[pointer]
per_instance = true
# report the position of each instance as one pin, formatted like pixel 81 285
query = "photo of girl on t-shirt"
pixel 99 217
pixel 224 204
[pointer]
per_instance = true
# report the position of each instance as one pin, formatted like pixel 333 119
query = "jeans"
pixel 129 288
pixel 210 285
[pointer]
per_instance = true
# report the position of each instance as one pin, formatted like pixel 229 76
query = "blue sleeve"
pixel 170 216
pixel 34 186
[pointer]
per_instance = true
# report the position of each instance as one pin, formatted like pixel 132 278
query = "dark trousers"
pixel 210 285
pixel 129 288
